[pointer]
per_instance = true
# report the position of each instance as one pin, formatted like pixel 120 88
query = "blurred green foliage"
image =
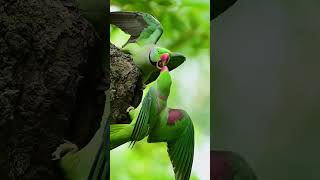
pixel 186 25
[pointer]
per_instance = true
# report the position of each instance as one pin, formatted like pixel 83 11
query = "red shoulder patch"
pixel 174 115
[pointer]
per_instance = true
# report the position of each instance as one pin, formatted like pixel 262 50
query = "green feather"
pixel 143 28
pixel 141 127
pixel 180 142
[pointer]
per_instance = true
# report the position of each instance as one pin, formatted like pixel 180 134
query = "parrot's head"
pixel 159 56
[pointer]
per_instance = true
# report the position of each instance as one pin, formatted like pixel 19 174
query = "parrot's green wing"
pixel 219 6
pixel 141 127
pixel 143 27
pixel 176 60
pixel 181 153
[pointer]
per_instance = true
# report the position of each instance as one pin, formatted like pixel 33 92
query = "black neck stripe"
pixel 153 63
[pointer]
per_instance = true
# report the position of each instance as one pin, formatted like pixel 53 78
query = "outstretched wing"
pixel 141 127
pixel 219 6
pixel 143 27
pixel 176 60
pixel 181 153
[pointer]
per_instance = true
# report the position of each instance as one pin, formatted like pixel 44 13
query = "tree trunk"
pixel 126 85
pixel 52 85
pixel 49 74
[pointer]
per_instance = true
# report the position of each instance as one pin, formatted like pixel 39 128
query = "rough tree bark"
pixel 48 74
pixel 50 85
pixel 126 85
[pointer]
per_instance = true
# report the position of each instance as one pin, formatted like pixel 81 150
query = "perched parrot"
pixel 227 165
pixel 145 31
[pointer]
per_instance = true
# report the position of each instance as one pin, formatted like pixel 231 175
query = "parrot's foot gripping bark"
pixel 130 109
pixel 63 149
pixel 131 112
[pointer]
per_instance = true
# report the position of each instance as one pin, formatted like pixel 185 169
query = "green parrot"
pixel 145 32
pixel 164 124
pixel 160 123
pixel 227 165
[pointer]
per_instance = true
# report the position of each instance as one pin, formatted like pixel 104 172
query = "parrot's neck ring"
pixel 153 63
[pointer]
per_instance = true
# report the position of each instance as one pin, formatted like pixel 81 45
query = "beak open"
pixel 164 60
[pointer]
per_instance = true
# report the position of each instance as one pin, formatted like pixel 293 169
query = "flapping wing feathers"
pixel 141 127
pixel 181 153
pixel 142 27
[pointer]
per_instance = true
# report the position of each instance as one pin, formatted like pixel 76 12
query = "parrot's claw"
pixel 130 109
pixel 63 149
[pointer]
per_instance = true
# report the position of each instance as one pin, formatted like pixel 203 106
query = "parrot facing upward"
pixel 160 123
pixel 145 32
pixel 164 124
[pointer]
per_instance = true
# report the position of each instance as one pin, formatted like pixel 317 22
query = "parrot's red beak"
pixel 165 58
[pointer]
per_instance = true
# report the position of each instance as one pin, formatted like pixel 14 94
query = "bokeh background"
pixel 266 86
pixel 186 25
